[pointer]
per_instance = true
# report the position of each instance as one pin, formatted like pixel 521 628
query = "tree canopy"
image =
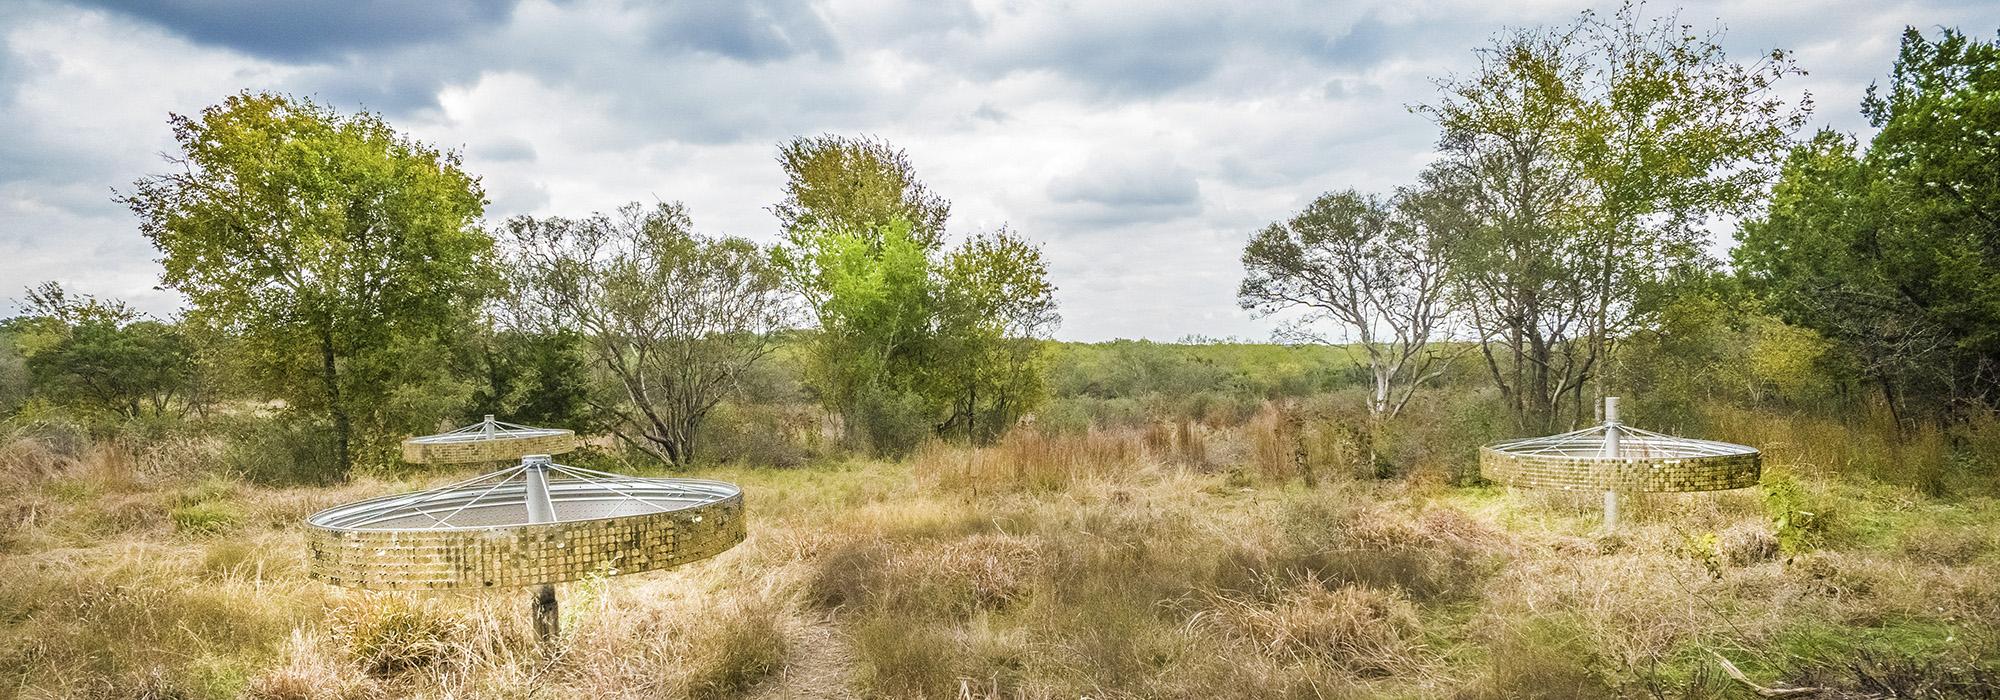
pixel 1893 251
pixel 675 317
pixel 347 256
pixel 913 339
pixel 1587 159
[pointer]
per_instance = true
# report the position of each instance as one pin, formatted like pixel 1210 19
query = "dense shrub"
pixel 281 450
pixel 762 435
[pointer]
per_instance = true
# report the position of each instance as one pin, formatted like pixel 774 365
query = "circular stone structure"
pixel 537 523
pixel 1614 457
pixel 488 441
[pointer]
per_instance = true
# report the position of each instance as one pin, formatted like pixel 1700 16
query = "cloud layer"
pixel 1142 142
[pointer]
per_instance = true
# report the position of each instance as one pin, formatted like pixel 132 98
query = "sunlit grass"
pixel 1119 563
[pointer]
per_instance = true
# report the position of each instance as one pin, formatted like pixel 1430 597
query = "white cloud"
pixel 1141 142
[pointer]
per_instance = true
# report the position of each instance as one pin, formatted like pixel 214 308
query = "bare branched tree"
pixel 1376 270
pixel 675 317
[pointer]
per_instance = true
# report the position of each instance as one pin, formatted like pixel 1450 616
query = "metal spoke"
pixel 607 484
pixel 445 521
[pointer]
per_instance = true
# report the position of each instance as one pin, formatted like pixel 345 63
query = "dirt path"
pixel 817 668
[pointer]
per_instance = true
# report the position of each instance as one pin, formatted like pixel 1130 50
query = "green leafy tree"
pixel 1376 270
pixel 677 318
pixel 1590 157
pixel 913 339
pixel 15 386
pixel 1521 268
pixel 873 296
pixel 103 356
pixel 857 185
pixel 344 255
pixel 995 303
pixel 534 378
pixel 1670 133
pixel 1893 254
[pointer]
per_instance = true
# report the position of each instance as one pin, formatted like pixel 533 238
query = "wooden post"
pixel 548 617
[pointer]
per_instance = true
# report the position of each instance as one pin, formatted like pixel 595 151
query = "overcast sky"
pixel 1140 142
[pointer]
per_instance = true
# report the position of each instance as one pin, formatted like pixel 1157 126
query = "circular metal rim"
pixel 1744 469
pixel 691 520
pixel 719 491
pixel 1586 446
pixel 1650 455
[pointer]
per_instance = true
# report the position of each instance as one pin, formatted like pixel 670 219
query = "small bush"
pixel 311 671
pixel 948 580
pixel 283 451
pixel 1949 546
pixel 889 424
pixel 391 636
pixel 766 436
pixel 849 575
pixel 901 657
pixel 1064 417
pixel 1436 555
pixel 1802 522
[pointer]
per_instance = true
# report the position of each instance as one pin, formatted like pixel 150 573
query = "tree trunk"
pixel 343 428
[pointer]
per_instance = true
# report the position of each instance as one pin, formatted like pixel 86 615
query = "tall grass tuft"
pixel 1366 631
pixel 1027 460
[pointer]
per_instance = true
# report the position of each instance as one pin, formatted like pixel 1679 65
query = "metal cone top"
pixel 488 441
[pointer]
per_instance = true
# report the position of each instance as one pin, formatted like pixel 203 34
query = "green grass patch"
pixel 206 518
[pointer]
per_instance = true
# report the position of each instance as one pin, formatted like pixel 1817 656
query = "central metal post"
pixel 548 622
pixel 1611 434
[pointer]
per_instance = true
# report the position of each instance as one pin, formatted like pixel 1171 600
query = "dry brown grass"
pixel 1176 561
pixel 1029 460
pixel 1368 632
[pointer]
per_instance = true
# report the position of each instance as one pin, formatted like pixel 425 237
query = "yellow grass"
pixel 1179 560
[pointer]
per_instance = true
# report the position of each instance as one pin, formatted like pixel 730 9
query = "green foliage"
pixel 1801 523
pixel 873 296
pixel 994 299
pixel 204 518
pixel 1893 253
pixel 676 318
pixel 856 185
pixel 15 386
pixel 341 253
pixel 1714 342
pixel 395 636
pixel 1586 159
pixel 280 450
pixel 1543 657
pixel 760 434
pixel 1377 270
pixel 909 332
pixel 534 379
pixel 101 356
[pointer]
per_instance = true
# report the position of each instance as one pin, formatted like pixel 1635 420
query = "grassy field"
pixel 1174 561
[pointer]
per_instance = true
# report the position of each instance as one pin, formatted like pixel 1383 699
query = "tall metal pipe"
pixel 1612 428
pixel 548 620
